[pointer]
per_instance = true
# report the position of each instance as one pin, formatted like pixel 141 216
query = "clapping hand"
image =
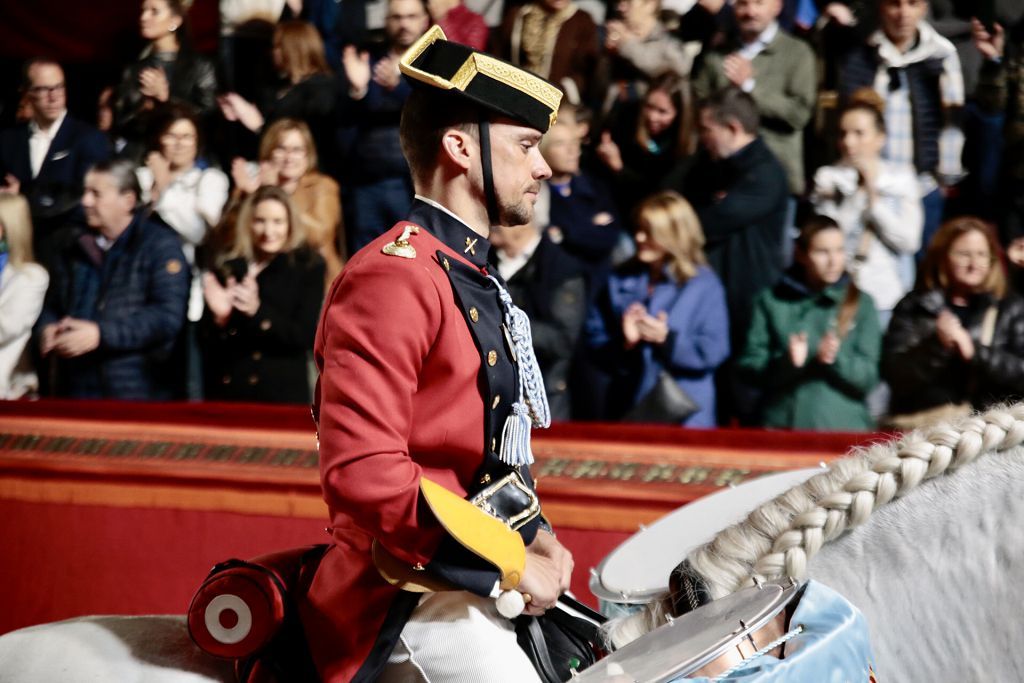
pixel 357 70
pixel 798 349
pixel 234 107
pixel 160 167
pixel 245 296
pixel 840 13
pixel 653 329
pixel 153 83
pixel 218 297
pixel 243 180
pixel 386 73
pixel 610 153
pixel 990 45
pixel 953 335
pixel 631 324
pixel 76 337
pixel 738 69
pixel 828 348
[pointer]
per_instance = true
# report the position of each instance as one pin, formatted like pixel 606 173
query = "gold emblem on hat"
pixel 401 247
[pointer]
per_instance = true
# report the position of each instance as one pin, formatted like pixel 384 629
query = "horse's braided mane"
pixel 779 538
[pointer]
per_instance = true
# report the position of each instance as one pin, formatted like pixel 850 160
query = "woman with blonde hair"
pixel 262 304
pixel 957 340
pixel 288 159
pixel 814 338
pixel 22 291
pixel 662 316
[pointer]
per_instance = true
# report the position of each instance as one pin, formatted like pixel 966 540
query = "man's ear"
pixel 459 148
pixel 130 201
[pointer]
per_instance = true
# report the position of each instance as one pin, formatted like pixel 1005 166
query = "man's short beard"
pixel 511 215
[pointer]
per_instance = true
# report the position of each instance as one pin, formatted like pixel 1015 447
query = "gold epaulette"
pixel 401 246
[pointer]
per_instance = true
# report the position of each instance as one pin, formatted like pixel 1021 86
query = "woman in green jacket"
pixel 814 341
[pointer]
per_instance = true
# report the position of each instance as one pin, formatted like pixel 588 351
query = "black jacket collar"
pixel 456 235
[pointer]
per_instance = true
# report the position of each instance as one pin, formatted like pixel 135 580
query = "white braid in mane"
pixel 779 538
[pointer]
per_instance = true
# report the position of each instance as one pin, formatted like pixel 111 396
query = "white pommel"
pixel 510 604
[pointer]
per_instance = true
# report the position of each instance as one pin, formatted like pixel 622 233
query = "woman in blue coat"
pixel 663 311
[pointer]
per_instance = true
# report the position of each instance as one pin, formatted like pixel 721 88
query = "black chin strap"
pixel 485 163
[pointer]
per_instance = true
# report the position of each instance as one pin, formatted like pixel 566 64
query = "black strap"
pixel 488 175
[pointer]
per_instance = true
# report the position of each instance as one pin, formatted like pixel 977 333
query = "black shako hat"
pixel 494 84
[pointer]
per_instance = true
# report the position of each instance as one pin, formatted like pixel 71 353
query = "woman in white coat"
pixel 22 290
pixel 877 204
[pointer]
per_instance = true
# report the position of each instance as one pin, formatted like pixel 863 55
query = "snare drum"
pixel 637 571
pixel 705 642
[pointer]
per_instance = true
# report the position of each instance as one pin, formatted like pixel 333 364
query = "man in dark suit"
pixel 739 191
pixel 46 158
pixel 550 285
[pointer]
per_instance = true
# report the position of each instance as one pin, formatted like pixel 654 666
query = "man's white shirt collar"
pixel 39 142
pixel 441 207
pixel 52 132
pixel 756 46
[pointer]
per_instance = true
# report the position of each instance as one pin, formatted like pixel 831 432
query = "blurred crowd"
pixel 778 213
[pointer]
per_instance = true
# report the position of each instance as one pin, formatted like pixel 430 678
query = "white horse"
pixel 920 534
pixel 109 649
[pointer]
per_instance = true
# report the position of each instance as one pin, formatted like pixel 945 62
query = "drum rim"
pixel 787 591
pixel 646 595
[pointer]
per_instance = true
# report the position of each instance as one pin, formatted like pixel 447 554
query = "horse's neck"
pixel 937 574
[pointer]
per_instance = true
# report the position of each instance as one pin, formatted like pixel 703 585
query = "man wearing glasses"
pixel 46 158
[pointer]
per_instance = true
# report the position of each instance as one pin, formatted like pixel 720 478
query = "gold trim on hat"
pixel 479 63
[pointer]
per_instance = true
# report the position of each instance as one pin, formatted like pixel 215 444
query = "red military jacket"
pixel 416 380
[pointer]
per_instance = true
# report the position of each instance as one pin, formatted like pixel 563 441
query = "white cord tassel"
pixel 532 407
pixel 515 437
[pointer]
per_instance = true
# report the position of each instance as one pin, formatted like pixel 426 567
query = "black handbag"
pixel 665 403
pixel 560 642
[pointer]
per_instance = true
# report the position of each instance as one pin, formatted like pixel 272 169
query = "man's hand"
pixel 737 69
pixel 357 70
pixel 386 73
pixel 48 338
pixel 547 574
pixel 990 45
pixel 77 337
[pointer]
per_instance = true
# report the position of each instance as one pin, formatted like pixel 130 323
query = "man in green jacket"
pixel 779 73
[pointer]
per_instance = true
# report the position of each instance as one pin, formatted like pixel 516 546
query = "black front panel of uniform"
pixel 477 298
